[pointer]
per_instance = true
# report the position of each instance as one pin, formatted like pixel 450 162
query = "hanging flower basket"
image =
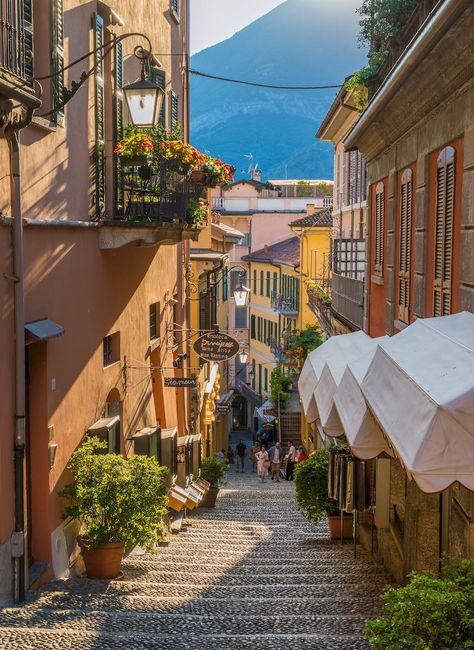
pixel 199 176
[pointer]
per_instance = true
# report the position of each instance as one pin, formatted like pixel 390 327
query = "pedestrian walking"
pixel 240 449
pixel 275 455
pixel 262 463
pixel 230 456
pixel 290 464
pixel 255 450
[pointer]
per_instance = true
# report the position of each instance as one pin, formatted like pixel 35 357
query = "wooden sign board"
pixel 216 347
pixel 180 382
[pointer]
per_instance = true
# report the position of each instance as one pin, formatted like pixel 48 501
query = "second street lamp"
pixel 241 295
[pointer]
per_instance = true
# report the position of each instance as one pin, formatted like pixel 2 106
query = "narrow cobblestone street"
pixel 249 574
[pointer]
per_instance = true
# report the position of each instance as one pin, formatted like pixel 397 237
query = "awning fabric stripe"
pixel 420 387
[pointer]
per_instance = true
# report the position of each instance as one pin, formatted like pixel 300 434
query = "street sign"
pixel 180 382
pixel 216 347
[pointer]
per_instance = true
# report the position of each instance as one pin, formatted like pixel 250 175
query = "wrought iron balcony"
pixel 348 300
pixel 319 301
pixel 278 349
pixel 285 305
pixel 160 204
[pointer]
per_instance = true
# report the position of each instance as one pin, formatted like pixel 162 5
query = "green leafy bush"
pixel 301 343
pixel 311 484
pixel 429 613
pixel 116 499
pixel 280 384
pixel 213 470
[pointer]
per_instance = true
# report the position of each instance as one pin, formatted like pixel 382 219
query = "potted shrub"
pixel 429 613
pixel 311 484
pixel 119 503
pixel 213 471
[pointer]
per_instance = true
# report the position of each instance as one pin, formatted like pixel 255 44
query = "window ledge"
pixel 44 125
pixel 111 364
pixel 377 279
pixel 400 325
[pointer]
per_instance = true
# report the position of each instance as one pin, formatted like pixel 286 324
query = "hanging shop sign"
pixel 180 382
pixel 222 408
pixel 216 347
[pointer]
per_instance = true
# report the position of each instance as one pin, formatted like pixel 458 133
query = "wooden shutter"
pixel 225 285
pixel 99 118
pixel 118 128
pixel 57 56
pixel 26 56
pixel 174 109
pixel 404 268
pixel 158 77
pixel 275 282
pixel 444 225
pixel 255 282
pixel 252 326
pixel 379 228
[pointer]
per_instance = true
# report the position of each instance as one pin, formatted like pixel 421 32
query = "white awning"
pixel 420 387
pixel 340 358
pixel 314 365
pixel 364 435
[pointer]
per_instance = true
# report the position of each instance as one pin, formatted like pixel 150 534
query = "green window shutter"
pixel 259 329
pixel 119 195
pixel 27 64
pixel 275 282
pixel 264 330
pixel 57 56
pixel 174 109
pixel 260 378
pixel 255 282
pixel 268 284
pixel 261 283
pixel 297 285
pixel 158 77
pixel 252 327
pixel 253 373
pixel 99 118
pixel 265 375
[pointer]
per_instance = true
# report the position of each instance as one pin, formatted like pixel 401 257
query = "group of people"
pixel 266 462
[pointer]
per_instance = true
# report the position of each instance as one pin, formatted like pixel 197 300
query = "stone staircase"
pixel 249 574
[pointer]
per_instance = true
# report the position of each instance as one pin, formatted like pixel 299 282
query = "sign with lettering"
pixel 222 408
pixel 216 347
pixel 180 382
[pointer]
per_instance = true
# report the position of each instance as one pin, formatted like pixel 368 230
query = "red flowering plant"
pixel 220 173
pixel 182 152
pixel 136 144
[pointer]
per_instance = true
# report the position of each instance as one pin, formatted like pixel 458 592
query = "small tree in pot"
pixel 119 502
pixel 213 470
pixel 311 483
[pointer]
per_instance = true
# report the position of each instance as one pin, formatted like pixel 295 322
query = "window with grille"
pixel 406 218
pixel 153 321
pixel 379 228
pixel 111 349
pixel 444 231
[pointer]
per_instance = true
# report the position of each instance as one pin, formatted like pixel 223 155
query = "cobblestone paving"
pixel 249 574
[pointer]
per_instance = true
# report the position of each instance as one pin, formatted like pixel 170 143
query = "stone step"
pixel 181 587
pixel 47 639
pixel 168 623
pixel 203 606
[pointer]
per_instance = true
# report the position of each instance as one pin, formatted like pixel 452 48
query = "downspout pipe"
pixel 20 563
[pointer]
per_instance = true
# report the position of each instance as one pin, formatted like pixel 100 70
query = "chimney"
pixel 310 208
pixel 257 175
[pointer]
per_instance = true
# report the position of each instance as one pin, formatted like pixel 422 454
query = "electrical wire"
pixel 260 85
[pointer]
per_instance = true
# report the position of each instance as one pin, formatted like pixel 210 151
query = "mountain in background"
pixel 301 42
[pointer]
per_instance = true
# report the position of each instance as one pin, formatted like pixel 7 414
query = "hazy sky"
pixel 213 21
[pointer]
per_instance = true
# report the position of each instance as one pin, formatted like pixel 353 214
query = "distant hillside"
pixel 301 42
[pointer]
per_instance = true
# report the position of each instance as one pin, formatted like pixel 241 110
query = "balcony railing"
pixel 277 349
pixel 348 299
pixel 160 192
pixel 320 304
pixel 284 304
pixel 217 203
pixel 16 38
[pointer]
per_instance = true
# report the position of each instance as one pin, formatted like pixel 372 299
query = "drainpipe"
pixel 19 550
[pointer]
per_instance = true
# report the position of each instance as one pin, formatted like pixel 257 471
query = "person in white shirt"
pixel 290 464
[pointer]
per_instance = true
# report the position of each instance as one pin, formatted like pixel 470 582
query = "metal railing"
pixel 217 202
pixel 284 304
pixel 348 299
pixel 14 38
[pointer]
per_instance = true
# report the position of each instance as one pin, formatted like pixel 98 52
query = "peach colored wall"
pixel 271 228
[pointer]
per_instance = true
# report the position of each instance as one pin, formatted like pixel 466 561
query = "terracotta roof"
pixel 226 231
pixel 286 252
pixel 258 184
pixel 320 218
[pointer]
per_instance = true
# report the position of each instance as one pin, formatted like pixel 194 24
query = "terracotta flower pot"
pixel 102 563
pixel 198 176
pixel 209 501
pixel 335 526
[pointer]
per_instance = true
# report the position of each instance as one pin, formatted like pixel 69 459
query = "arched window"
pixel 404 268
pixel 379 228
pixel 444 225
